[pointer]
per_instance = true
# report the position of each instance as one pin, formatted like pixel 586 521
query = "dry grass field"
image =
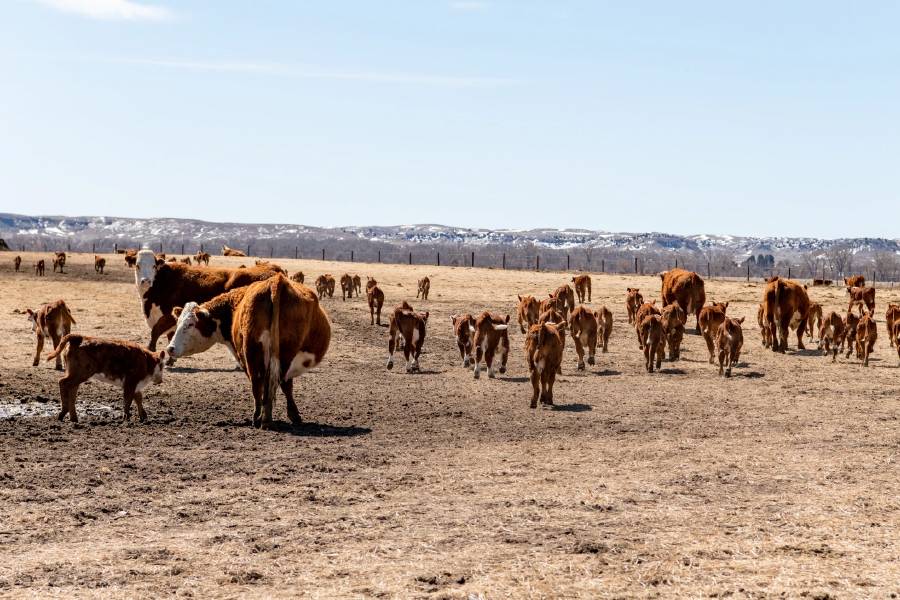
pixel 781 481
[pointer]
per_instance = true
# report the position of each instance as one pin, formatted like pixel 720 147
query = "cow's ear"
pixel 162 356
pixel 176 312
pixel 627 289
pixel 741 320
pixel 425 316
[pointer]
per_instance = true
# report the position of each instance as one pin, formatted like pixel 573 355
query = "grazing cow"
pixel 276 329
pixel 710 318
pixel 131 258
pixel 764 330
pixel 583 324
pixel 17 263
pixel 729 340
pixel 633 301
pixel 226 251
pixel 59 262
pixel 653 341
pixel 410 325
pixel 582 287
pixel 375 298
pixel 895 336
pixel 52 320
pixel 424 288
pixel 565 299
pixel 186 260
pixel 673 318
pixel 298 277
pixel 851 322
pixel 39 268
pixel 866 334
pixel 346 286
pixel 464 328
pixel 855 281
pixel 685 288
pixel 325 285
pixel 860 296
pixel 123 364
pixel 543 350
pixel 647 308
pixel 814 323
pixel 491 338
pixel 605 323
pixel 162 287
pixel 785 301
pixel 891 315
pixel 357 285
pixel 527 312
pixel 831 334
pixel 202 257
pixel 99 264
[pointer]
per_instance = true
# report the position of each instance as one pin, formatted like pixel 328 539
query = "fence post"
pixel 748 270
pixel 473 258
pixel 676 262
pixel 271 251
pixel 410 258
pixel 160 247
pixel 182 247
pixel 248 249
pixel 296 251
pixel 438 259
pixel 603 265
pixel 635 264
pixel 568 263
pixel 201 247
pixel 94 248
pixel 116 248
pixel 504 261
pixel 789 272
pixel 352 256
pixel 537 262
pixel 379 256
pixel 708 273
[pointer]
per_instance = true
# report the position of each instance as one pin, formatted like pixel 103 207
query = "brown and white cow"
pixel 375 298
pixel 527 312
pixel 464 329
pixel 851 322
pixel 831 334
pixel 424 287
pixel 891 315
pixel 582 287
pixel 862 296
pixel 785 301
pixel 650 329
pixel 855 281
pixel 491 339
pixel 59 262
pixel 52 320
pixel 357 285
pixel 647 308
pixel 298 277
pixel 410 325
pixel 673 317
pixel 544 345
pixel 275 328
pixel 729 341
pixel 202 257
pixel 685 288
pixel 99 264
pixel 710 318
pixel 162 287
pixel 346 286
pixel 226 251
pixel 325 285
pixel 633 301
pixel 565 299
pixel 583 324
pixel 39 268
pixel 866 335
pixel 17 263
pixel 123 364
pixel 814 322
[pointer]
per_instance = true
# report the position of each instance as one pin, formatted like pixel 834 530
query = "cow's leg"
pixel 548 392
pixel 801 328
pixel 504 354
pixel 709 345
pixel 392 344
pixel 55 337
pixel 697 317
pixel 293 414
pixel 407 353
pixel 372 313
pixel 640 336
pixel 68 389
pixel 784 327
pixel 139 400
pixel 127 395
pixel 660 352
pixel 165 323
pixel 479 354
pixel 579 349
pixel 535 387
pixel 39 349
pixel 589 291
pixel 378 315
pixel 256 387
pixel 489 359
pixel 648 362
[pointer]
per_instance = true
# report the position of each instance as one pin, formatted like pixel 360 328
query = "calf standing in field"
pixel 543 352
pixel 584 327
pixel 895 336
pixel 892 315
pixel 464 328
pixel 851 322
pixel 325 285
pixel 633 301
pixel 59 261
pixel 861 296
pixel 527 312
pixel 375 298
pixel 764 329
pixel 410 325
pixel 582 287
pixel 647 308
pixel 729 340
pixel 357 285
pixel 424 288
pixel 298 277
pixel 551 315
pixel 346 286
pixel 52 320
pixel 202 257
pixel 17 263
pixel 866 334
pixel 652 339
pixel 673 318
pixel 120 363
pixel 605 323
pixel 39 268
pixel 565 299
pixel 131 258
pixel 711 317
pixel 831 334
pixel 491 338
pixel 815 318
pixel 99 264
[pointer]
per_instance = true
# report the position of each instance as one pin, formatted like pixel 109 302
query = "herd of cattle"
pixel 276 329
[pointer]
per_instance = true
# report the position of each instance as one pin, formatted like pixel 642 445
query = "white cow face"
pixel 145 270
pixel 195 332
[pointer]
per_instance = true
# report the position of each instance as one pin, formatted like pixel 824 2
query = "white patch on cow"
pixel 145 381
pixel 110 380
pixel 60 331
pixel 415 336
pixel 154 316
pixel 188 340
pixel 539 365
pixel 301 363
pixel 144 270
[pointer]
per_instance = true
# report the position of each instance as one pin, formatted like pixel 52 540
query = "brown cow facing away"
pixel 729 341
pixel 357 285
pixel 52 320
pixel 39 268
pixel 814 323
pixel 99 264
pixel 424 287
pixel 226 251
pixel 527 312
pixel 855 281
pixel 605 323
pixel 410 325
pixel 710 318
pixel 861 296
pixel 552 315
pixel 582 287
pixel 123 364
pixel 652 339
pixel 565 299
pixel 325 286
pixel 17 263
pixel 647 308
pixel 891 315
pixel 297 277
pixel 831 334
pixel 633 301
pixel 673 318
pixel 464 329
pixel 685 288
pixel 543 351
pixel 375 298
pixel 583 324
pixel 786 301
pixel 866 335
pixel 346 286
pixel 491 339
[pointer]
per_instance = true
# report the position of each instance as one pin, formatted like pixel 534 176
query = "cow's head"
pixel 161 357
pixel 32 318
pixel 145 269
pixel 195 332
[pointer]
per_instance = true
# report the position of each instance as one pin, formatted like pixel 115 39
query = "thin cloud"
pixel 301 72
pixel 469 5
pixel 111 10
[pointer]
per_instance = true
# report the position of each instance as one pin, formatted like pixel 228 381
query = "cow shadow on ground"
pixel 305 429
pixel 748 374
pixel 234 369
pixel 573 407
pixel 808 352
pixel 514 379
pixel 607 373
pixel 673 371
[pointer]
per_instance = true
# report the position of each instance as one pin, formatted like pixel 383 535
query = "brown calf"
pixel 582 287
pixel 39 268
pixel 543 351
pixel 186 260
pixel 131 258
pixel 729 340
pixel 633 301
pixel 202 257
pixel 298 277
pixel 491 338
pixel 409 325
pixel 565 299
pixel 851 322
pixel 786 302
pixel 17 263
pixel 653 340
pixel 52 320
pixel 831 334
pixel 464 328
pixel 375 298
pixel 325 285
pixel 59 262
pixel 710 318
pixel 866 335
pixel 814 322
pixel 123 364
pixel 584 327
pixel 604 322
pixel 855 281
pixel 673 318
pixel 357 285
pixel 552 315
pixel 860 296
pixel 424 288
pixel 645 309
pixel 764 330
pixel 99 264
pixel 527 312
pixel 891 316
pixel 685 288
pixel 346 286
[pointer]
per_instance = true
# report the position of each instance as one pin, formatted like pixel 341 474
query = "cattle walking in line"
pixel 551 315
pixel 464 329
pixel 786 302
pixel 39 268
pixel 685 288
pixel 814 323
pixel 527 312
pixel 123 364
pixel 831 334
pixel 52 320
pixel 99 264
pixel 375 299
pixel 866 335
pixel 491 339
pixel 346 286
pixel 543 351
pixel 652 336
pixel 861 296
pixel 673 318
pixel 582 287
pixel 891 315
pixel 855 281
pixel 325 286
pixel 226 251
pixel 409 325
pixel 298 277
pixel 645 309
pixel 17 263
pixel 729 340
pixel 710 318
pixel 633 301
pixel 851 322
pixel 202 257
pixel 584 325
pixel 424 287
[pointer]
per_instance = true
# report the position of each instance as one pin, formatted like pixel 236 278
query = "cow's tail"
pixel 69 314
pixel 273 366
pixel 69 338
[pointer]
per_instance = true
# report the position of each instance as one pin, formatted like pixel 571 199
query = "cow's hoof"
pixel 490 374
pixel 502 370
pixel 591 361
pixel 581 366
pixel 477 375
pixel 390 365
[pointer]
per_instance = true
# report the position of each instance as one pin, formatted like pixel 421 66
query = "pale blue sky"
pixel 764 118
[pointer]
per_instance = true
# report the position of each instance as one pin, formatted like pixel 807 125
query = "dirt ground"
pixel 781 481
